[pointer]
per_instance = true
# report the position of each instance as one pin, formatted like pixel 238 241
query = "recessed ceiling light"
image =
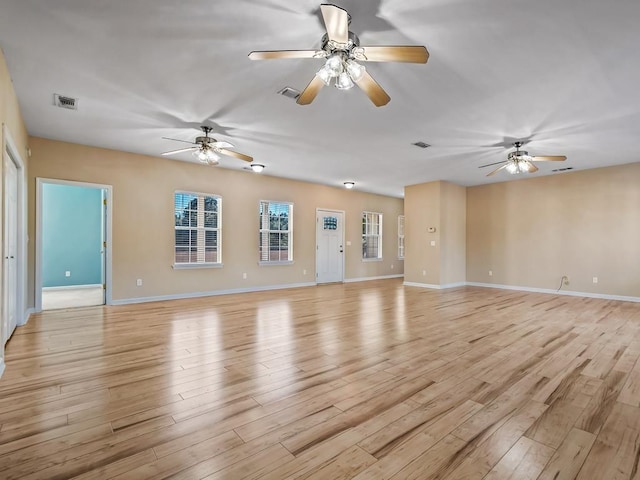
pixel 257 167
pixel 349 185
pixel 421 144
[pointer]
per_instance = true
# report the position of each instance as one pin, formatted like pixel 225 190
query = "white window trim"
pixel 265 263
pixel 379 257
pixel 188 266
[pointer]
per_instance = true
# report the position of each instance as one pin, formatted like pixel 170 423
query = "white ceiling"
pixel 563 75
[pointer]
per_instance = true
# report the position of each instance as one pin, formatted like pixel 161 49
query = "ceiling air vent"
pixel 421 144
pixel 289 93
pixel 65 102
pixel 562 169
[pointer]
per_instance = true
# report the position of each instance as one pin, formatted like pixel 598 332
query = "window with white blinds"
pixel 371 236
pixel 197 229
pixel 401 237
pixel 276 232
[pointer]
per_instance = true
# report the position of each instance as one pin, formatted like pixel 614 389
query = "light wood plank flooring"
pixel 368 380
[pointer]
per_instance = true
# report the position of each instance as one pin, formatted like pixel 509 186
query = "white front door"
pixel 10 260
pixel 330 246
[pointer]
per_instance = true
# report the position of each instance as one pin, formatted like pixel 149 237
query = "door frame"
pixel 108 189
pixel 344 232
pixel 11 153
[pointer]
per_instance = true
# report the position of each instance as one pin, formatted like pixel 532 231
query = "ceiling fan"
pixel 341 50
pixel 207 149
pixel 521 162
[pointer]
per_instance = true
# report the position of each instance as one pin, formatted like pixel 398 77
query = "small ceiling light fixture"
pixel 349 185
pixel 257 167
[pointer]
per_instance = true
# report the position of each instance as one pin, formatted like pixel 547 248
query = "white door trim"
pixel 108 255
pixel 344 232
pixel 11 151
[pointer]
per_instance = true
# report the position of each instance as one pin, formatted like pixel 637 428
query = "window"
pixel 371 236
pixel 401 237
pixel 276 242
pixel 197 228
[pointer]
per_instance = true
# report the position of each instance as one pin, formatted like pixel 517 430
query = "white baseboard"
pixel 623 298
pixel 366 279
pixel 27 314
pixel 180 296
pixel 71 287
pixel 433 286
pixel 1 367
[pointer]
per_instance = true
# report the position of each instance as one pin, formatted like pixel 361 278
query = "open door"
pixel 72 251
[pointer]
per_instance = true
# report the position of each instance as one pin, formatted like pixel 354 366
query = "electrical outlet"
pixel 424 273
pixel 491 273
pixel 565 279
pixel 67 273
pixel 392 266
pixel 244 276
pixel 433 243
pixel 139 282
pixel 595 279
pixel 304 272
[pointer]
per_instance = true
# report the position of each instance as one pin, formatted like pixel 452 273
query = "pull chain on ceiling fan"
pixel 342 51
pixel 207 149
pixel 521 162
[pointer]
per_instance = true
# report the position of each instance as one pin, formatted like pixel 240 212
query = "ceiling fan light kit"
pixel 521 162
pixel 207 149
pixel 342 51
pixel 349 185
pixel 257 167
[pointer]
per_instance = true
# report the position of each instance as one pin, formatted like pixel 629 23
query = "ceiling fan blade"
pixel 374 91
pixel 532 168
pixel 336 20
pixel 410 54
pixel 231 153
pixel 497 170
pixel 178 140
pixel 491 164
pixel 180 150
pixel 221 145
pixel 550 158
pixel 309 94
pixel 275 54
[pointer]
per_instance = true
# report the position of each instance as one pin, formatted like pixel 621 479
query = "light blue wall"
pixel 71 235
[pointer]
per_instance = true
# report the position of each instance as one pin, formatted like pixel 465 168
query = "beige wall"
pixel 441 205
pixel 143 235
pixel 582 224
pixel 421 211
pixel 453 236
pixel 10 119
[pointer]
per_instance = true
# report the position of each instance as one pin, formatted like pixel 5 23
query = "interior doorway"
pixel 73 239
pixel 329 246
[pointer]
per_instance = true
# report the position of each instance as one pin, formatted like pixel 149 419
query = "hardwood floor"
pixel 367 380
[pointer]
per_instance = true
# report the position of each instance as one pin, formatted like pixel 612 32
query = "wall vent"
pixel 562 169
pixel 289 93
pixel 65 102
pixel 421 144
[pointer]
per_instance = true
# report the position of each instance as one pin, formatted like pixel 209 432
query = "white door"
pixel 10 290
pixel 330 247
